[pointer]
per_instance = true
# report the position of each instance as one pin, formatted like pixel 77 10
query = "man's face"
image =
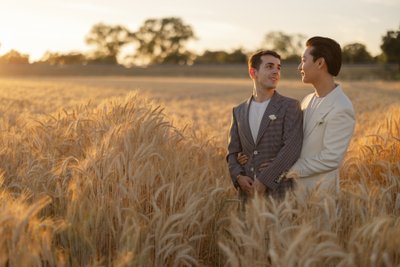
pixel 308 68
pixel 269 72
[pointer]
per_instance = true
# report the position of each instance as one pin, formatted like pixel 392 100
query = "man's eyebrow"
pixel 272 64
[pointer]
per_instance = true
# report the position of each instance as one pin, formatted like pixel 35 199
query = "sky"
pixel 36 26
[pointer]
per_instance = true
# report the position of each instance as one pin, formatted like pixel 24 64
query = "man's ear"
pixel 252 73
pixel 321 62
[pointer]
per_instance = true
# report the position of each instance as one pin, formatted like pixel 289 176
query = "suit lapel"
pixel 271 109
pixel 317 118
pixel 321 112
pixel 247 131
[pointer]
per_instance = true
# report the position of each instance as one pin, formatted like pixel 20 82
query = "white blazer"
pixel 327 135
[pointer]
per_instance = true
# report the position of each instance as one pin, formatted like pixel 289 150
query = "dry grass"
pixel 94 174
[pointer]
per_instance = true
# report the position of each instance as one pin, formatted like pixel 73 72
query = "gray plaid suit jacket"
pixel 279 141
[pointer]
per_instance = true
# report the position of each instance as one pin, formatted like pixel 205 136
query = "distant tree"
pixel 14 57
pixel 101 59
pixel 72 58
pixel 293 58
pixel 222 57
pixel 391 46
pixel 288 46
pixel 181 58
pixel 108 41
pixel 356 53
pixel 237 56
pixel 212 57
pixel 381 58
pixel 163 41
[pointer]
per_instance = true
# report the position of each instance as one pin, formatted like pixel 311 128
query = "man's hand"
pixel 259 187
pixel 265 164
pixel 242 158
pixel 246 184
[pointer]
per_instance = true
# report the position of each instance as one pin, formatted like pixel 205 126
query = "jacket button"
pixel 255 152
pixel 252 169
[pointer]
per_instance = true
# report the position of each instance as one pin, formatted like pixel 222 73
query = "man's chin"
pixel 273 85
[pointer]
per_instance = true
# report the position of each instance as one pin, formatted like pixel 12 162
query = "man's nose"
pixel 299 66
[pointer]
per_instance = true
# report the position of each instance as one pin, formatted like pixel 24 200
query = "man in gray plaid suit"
pixel 267 130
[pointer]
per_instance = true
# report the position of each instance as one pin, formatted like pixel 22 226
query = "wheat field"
pixel 131 172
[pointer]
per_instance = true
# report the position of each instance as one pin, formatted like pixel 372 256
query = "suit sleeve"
pixel 234 147
pixel 291 149
pixel 336 139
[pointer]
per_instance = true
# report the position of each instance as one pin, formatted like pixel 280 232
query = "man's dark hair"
pixel 255 59
pixel 329 50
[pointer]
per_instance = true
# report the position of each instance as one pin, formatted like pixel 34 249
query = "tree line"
pixel 164 41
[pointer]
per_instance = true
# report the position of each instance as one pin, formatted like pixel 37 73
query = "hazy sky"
pixel 37 26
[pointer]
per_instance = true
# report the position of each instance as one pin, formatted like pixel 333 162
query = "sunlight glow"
pixel 34 27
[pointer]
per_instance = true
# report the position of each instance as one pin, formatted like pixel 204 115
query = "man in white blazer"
pixel 328 122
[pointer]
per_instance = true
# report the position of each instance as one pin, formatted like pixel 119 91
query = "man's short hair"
pixel 328 49
pixel 255 59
